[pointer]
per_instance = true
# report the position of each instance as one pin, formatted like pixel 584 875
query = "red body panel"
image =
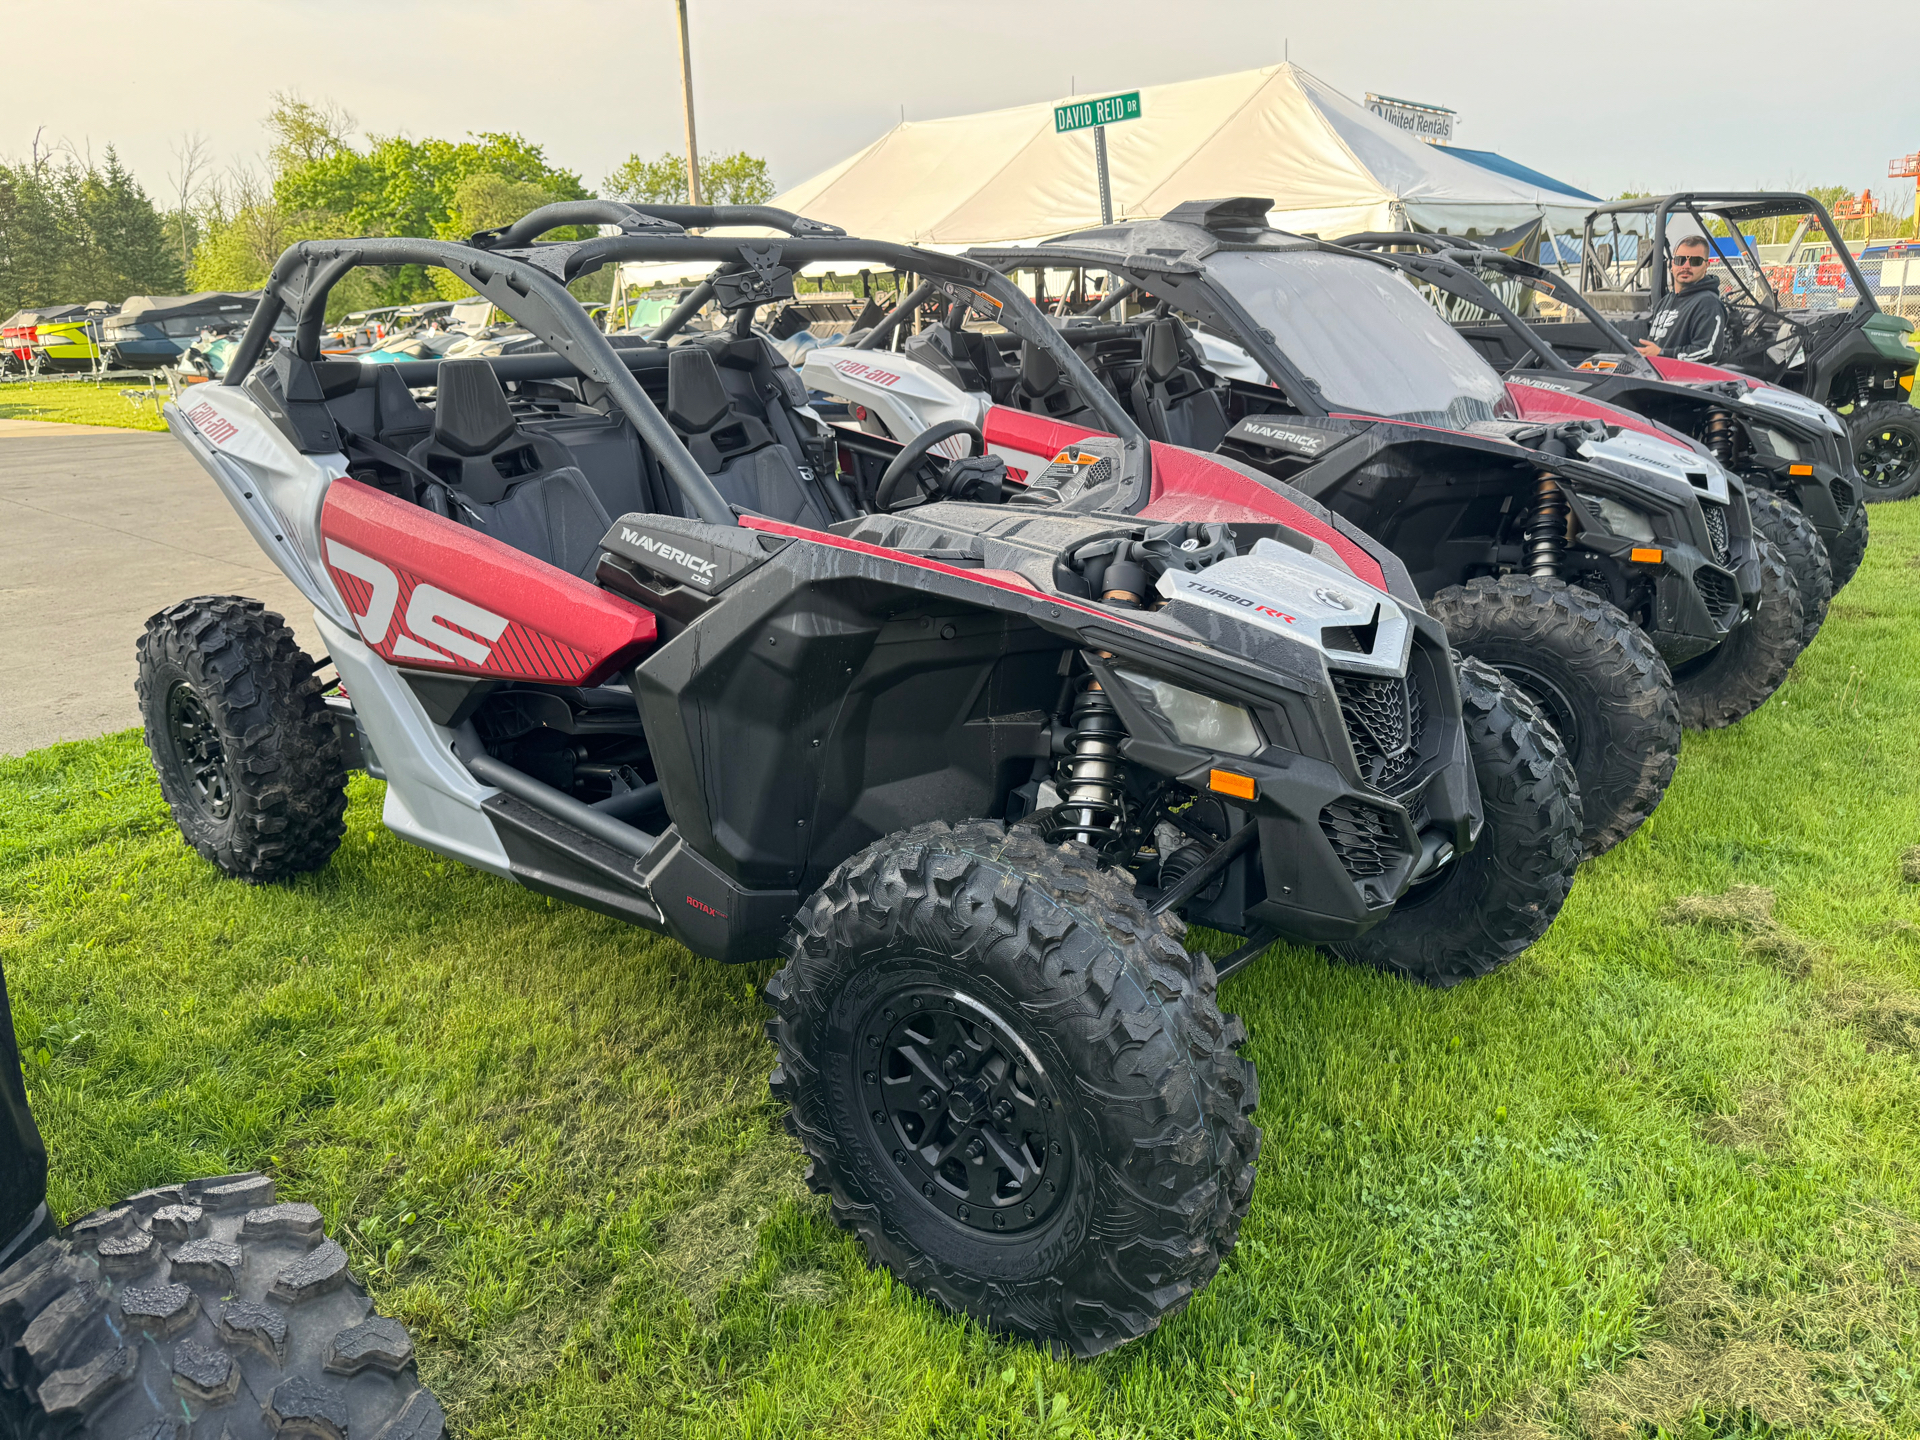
pixel 1191 486
pixel 1692 372
pixel 1188 485
pixel 444 597
pixel 1534 402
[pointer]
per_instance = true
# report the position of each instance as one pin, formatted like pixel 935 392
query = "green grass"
pixel 80 402
pixel 1657 1177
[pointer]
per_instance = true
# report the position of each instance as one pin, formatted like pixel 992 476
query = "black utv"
pixel 1572 546
pixel 628 625
pixel 1803 491
pixel 1801 308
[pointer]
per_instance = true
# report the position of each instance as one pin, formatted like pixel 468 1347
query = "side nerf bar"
pixel 630 840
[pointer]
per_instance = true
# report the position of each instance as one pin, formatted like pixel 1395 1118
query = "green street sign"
pixel 1085 114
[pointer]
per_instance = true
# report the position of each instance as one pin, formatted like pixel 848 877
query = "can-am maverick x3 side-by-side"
pixel 1793 455
pixel 628 625
pixel 1802 315
pixel 1540 537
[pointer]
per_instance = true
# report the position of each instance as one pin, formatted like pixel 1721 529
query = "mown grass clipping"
pixel 1658 1177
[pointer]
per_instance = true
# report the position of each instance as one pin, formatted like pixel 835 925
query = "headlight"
pixel 1781 443
pixel 1621 519
pixel 1197 720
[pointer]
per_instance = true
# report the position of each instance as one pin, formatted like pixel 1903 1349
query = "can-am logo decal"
pixel 1305 440
pixel 700 570
pixel 212 424
pixel 860 370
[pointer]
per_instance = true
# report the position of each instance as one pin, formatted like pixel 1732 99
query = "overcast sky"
pixel 1632 94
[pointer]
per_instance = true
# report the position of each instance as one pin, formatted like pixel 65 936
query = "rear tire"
pixel 202 1309
pixel 1850 548
pixel 1886 436
pixel 1595 675
pixel 1014 1083
pixel 247 753
pixel 1733 679
pixel 1486 907
pixel 1786 526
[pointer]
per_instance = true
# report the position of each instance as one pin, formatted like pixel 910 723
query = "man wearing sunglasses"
pixel 1690 322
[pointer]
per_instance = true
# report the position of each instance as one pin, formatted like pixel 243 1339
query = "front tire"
pixel 1596 676
pixel 1885 436
pixel 1786 526
pixel 1014 1083
pixel 1732 680
pixel 1486 907
pixel 248 757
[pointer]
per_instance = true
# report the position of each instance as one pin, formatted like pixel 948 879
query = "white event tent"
pixel 1330 166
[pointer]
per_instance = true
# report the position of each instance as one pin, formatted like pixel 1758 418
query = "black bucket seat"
pixel 521 487
pixel 1173 401
pixel 750 466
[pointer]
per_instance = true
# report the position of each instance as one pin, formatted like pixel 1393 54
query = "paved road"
pixel 98 530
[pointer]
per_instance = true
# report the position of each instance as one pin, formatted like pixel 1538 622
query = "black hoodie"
pixel 1691 323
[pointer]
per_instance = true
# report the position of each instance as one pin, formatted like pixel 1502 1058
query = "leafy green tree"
pixel 70 233
pixel 737 179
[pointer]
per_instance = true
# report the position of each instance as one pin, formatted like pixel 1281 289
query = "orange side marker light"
pixel 1640 555
pixel 1230 784
pixel 1800 470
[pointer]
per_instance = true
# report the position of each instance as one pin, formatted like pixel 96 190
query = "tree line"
pixel 74 230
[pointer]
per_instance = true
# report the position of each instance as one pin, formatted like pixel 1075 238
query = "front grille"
pixel 1718 590
pixel 1362 837
pixel 1717 519
pixel 1843 493
pixel 1384 717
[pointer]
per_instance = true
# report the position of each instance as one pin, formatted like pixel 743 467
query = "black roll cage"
pixel 528 280
pixel 1729 207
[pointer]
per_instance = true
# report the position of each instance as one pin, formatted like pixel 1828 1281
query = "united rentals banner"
pixel 1424 122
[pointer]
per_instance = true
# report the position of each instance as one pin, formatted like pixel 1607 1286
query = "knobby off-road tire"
pixel 1885 438
pixel 1733 679
pixel 1594 674
pixel 1850 548
pixel 205 1310
pixel 1486 907
pixel 972 984
pixel 248 757
pixel 1785 526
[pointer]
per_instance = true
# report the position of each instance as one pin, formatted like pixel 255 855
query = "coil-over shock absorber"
pixel 1547 528
pixel 1720 436
pixel 1089 775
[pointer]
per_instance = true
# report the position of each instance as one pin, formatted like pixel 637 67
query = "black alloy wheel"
pixel 967 1109
pixel 195 742
pixel 1886 449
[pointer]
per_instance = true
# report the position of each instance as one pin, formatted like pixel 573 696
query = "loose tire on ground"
pixel 1486 907
pixel 1886 436
pixel 1595 675
pixel 1733 679
pixel 203 1309
pixel 1014 1083
pixel 1850 548
pixel 1786 526
pixel 247 754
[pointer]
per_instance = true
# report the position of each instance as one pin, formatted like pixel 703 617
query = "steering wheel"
pixel 916 451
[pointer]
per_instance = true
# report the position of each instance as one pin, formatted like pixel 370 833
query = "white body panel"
pixel 431 799
pixel 904 395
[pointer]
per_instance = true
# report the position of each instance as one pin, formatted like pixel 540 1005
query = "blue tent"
pixel 1501 165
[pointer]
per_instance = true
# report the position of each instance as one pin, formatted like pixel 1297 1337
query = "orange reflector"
pixel 1229 784
pixel 1800 470
pixel 1641 556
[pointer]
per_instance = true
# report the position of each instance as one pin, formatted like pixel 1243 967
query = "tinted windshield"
pixel 1363 335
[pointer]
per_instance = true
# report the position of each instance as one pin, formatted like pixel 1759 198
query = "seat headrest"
pixel 1161 350
pixel 471 414
pixel 696 400
pixel 1039 373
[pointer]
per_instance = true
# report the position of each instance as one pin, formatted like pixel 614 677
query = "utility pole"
pixel 687 100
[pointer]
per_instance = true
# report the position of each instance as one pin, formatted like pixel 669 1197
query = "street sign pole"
pixel 1100 169
pixel 1097 115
